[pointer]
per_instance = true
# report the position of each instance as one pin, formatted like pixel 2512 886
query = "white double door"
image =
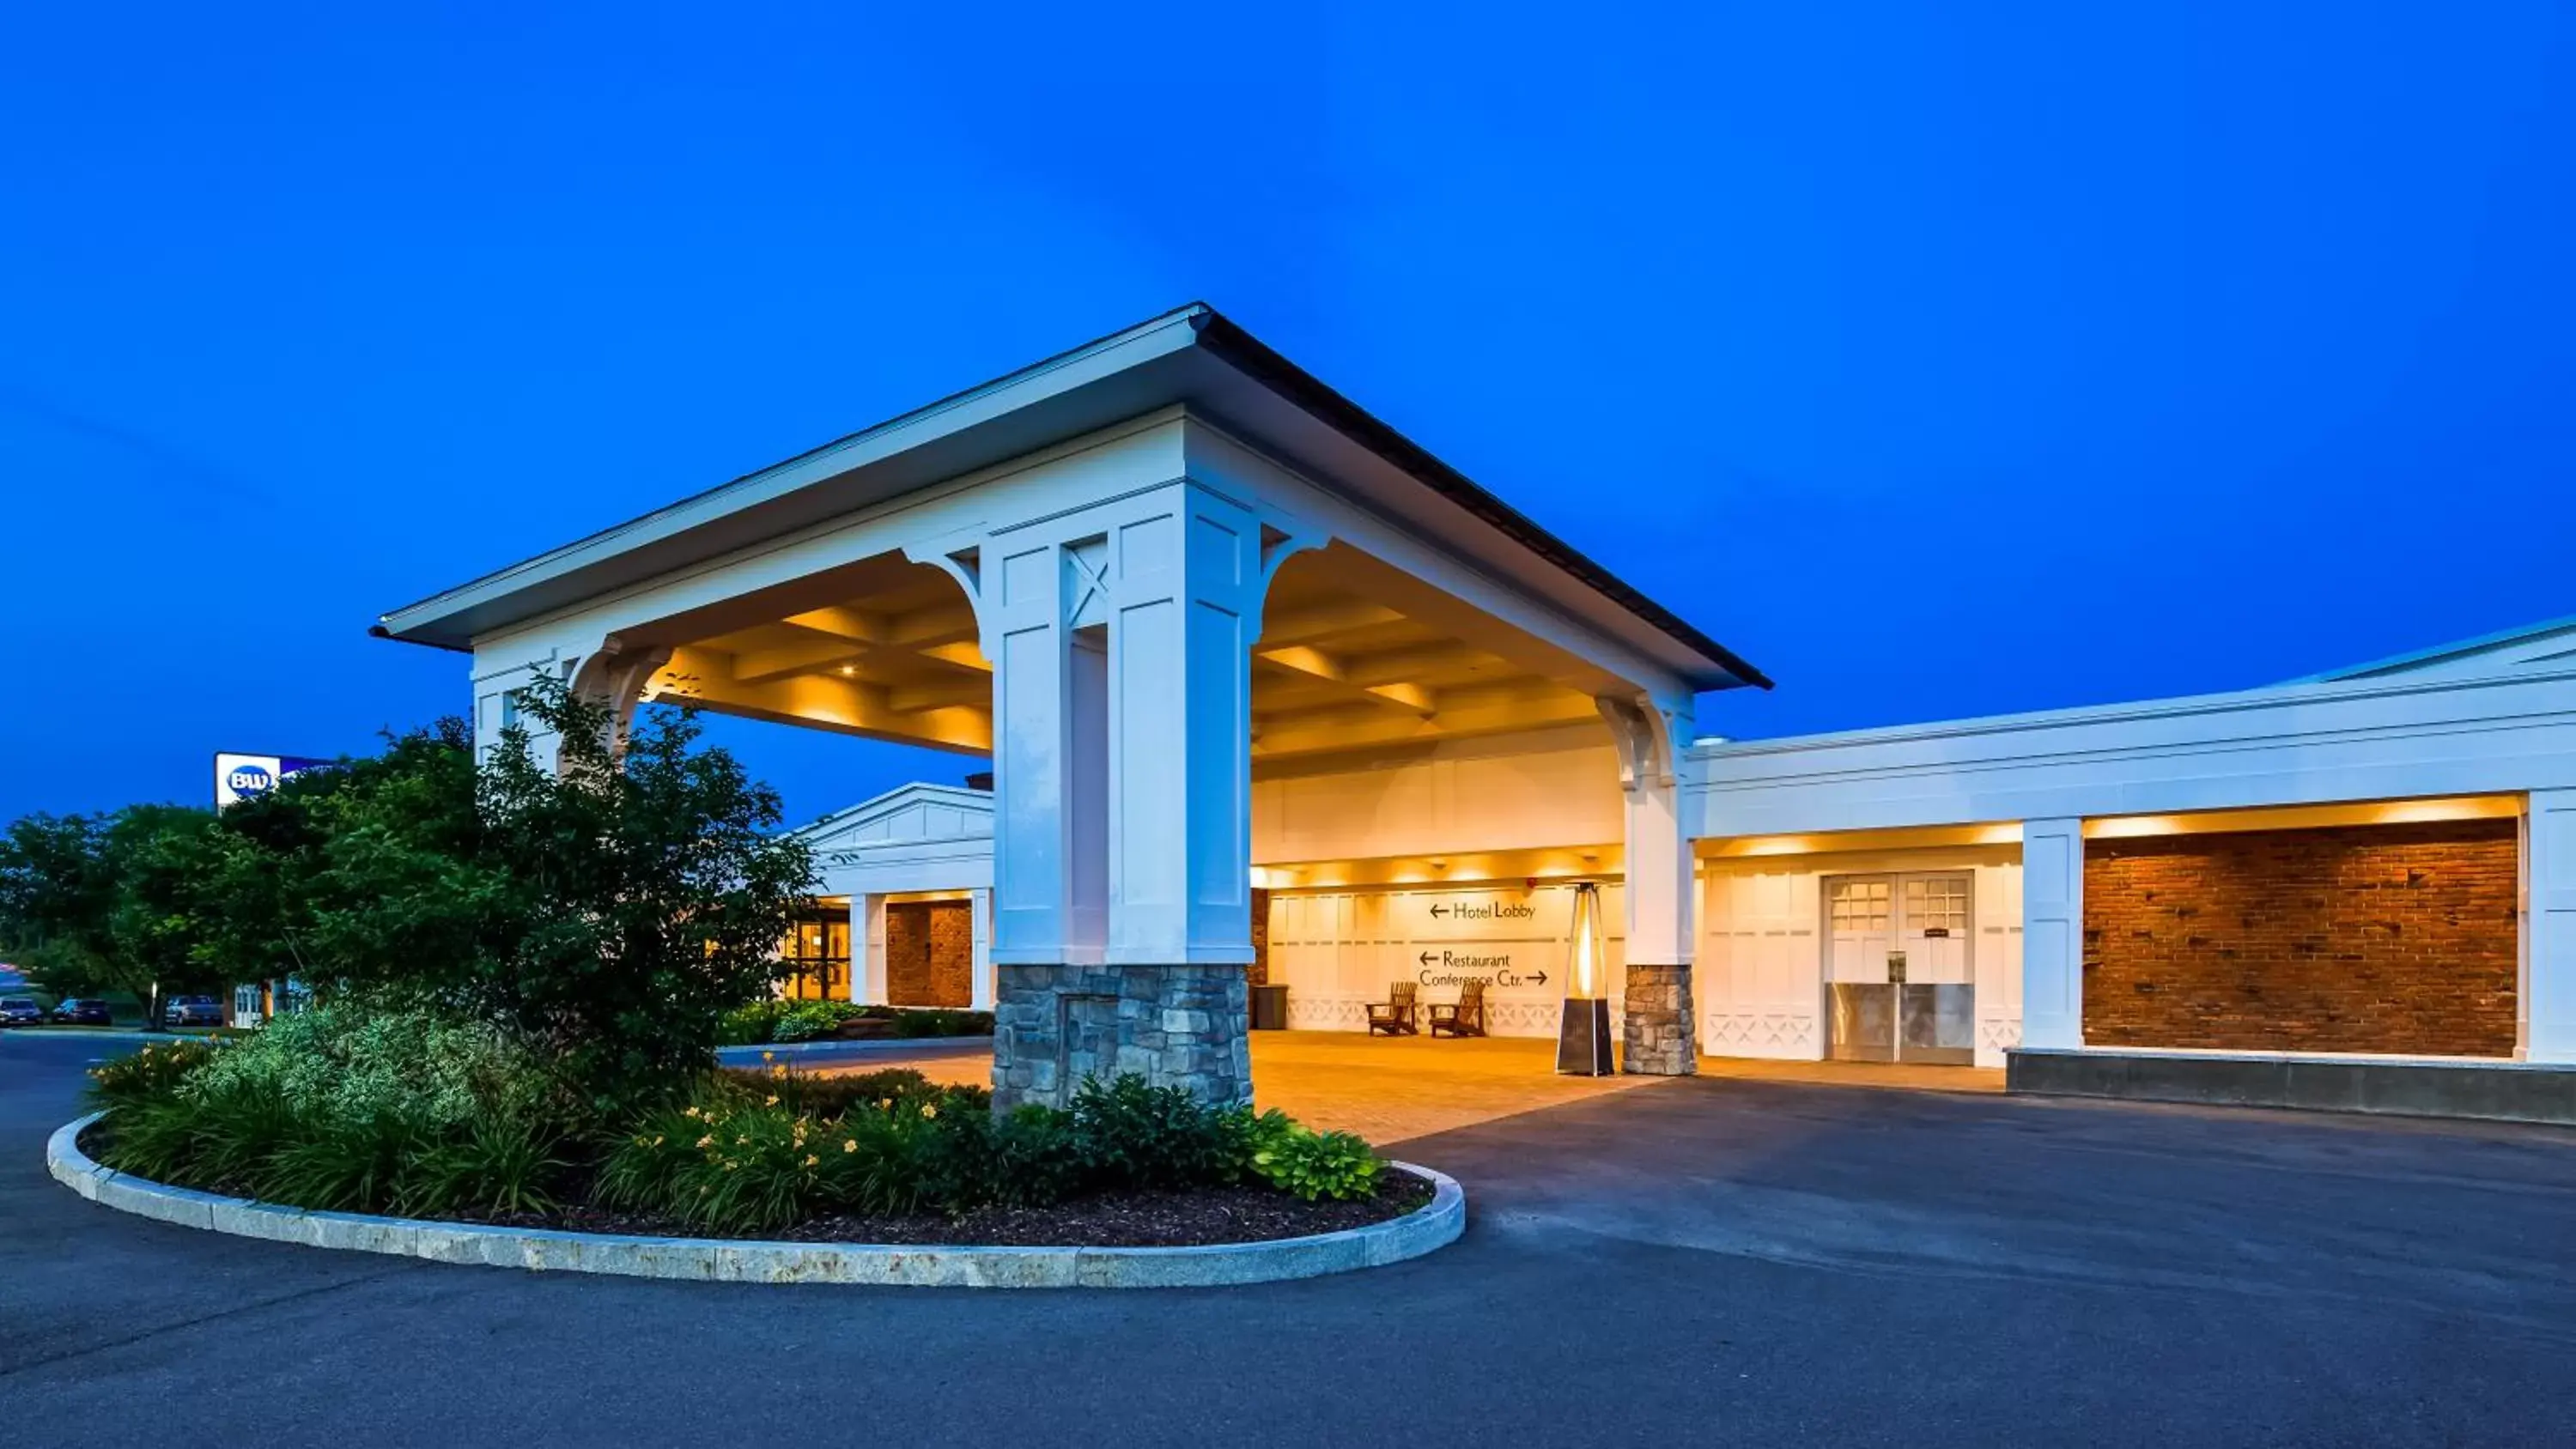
pixel 1900 984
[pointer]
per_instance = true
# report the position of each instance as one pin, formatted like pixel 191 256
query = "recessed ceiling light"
pixel 849 669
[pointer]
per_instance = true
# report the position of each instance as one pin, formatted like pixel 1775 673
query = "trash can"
pixel 1270 1008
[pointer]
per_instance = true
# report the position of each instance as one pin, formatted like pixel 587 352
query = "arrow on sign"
pixel 1539 976
pixel 1426 958
pixel 1438 911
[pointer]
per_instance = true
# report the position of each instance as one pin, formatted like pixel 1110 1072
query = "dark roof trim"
pixel 1250 356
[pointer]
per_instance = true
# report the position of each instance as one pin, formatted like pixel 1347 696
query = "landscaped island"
pixel 403 1114
pixel 523 967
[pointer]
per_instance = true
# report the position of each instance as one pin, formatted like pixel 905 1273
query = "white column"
pixel 1188 586
pixel 2052 933
pixel 1049 756
pixel 1659 1027
pixel 1661 922
pixel 2549 927
pixel 867 950
pixel 980 911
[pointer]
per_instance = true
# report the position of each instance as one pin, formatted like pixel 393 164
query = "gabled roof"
pixel 882 817
pixel 1192 356
pixel 2500 652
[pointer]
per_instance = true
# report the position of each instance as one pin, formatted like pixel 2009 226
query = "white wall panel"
pixel 1336 952
pixel 1558 788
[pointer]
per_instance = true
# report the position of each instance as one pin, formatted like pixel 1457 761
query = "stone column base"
pixel 1172 1025
pixel 1656 1036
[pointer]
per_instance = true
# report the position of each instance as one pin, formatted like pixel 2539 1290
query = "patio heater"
pixel 1583 1032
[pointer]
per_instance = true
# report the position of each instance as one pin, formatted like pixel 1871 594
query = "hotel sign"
pixel 239 777
pixel 1512 939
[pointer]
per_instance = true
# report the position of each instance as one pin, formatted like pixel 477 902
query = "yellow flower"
pixel 690 1113
pixel 778 1071
pixel 885 1104
pixel 657 1139
pixel 729 1166
pixel 928 1110
pixel 769 1056
pixel 849 1144
pixel 706 1140
pixel 770 1101
pixel 811 1159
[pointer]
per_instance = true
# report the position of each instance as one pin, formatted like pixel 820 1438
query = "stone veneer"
pixel 1173 1025
pixel 1655 1029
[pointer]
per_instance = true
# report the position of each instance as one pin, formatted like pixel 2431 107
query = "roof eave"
pixel 1125 370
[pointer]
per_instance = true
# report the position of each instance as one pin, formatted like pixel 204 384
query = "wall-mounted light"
pixel 1583 1030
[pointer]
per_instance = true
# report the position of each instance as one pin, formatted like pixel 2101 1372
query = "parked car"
pixel 21 1011
pixel 193 1011
pixel 83 1011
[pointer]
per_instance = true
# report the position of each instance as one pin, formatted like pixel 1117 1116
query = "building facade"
pixel 2368 863
pixel 1270 693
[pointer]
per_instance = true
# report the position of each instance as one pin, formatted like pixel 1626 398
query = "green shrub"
pixel 156 1071
pixel 1128 1134
pixel 754 1023
pixel 831 1096
pixel 343 1063
pixel 495 1165
pixel 154 1138
pixel 350 1164
pixel 339 1108
pixel 1314 1164
pixel 807 1020
pixel 237 1129
pixel 1026 1159
pixel 641 1167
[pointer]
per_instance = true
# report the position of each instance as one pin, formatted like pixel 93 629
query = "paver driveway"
pixel 1708 1261
pixel 1394 1089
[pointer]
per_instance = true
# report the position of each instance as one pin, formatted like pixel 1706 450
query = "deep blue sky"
pixel 1940 358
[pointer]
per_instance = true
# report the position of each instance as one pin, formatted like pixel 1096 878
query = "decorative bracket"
pixel 1648 739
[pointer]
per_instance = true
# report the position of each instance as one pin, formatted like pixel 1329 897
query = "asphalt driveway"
pixel 1689 1262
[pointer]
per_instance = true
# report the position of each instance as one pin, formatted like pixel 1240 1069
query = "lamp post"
pixel 1583 1032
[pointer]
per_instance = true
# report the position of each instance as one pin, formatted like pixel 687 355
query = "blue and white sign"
pixel 240 777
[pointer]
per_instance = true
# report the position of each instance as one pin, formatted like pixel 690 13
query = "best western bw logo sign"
pixel 242 777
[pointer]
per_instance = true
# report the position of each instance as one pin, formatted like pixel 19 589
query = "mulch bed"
pixel 1105 1220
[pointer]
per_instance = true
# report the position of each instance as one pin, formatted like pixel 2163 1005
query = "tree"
pixel 610 910
pixel 111 902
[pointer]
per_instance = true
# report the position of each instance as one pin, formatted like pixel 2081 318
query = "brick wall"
pixel 2382 938
pixel 930 953
pixel 1259 973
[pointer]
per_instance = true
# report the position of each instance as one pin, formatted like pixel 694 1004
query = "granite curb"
pixel 727 1260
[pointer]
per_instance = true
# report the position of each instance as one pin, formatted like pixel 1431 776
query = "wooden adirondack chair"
pixel 1467 1018
pixel 1397 1015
